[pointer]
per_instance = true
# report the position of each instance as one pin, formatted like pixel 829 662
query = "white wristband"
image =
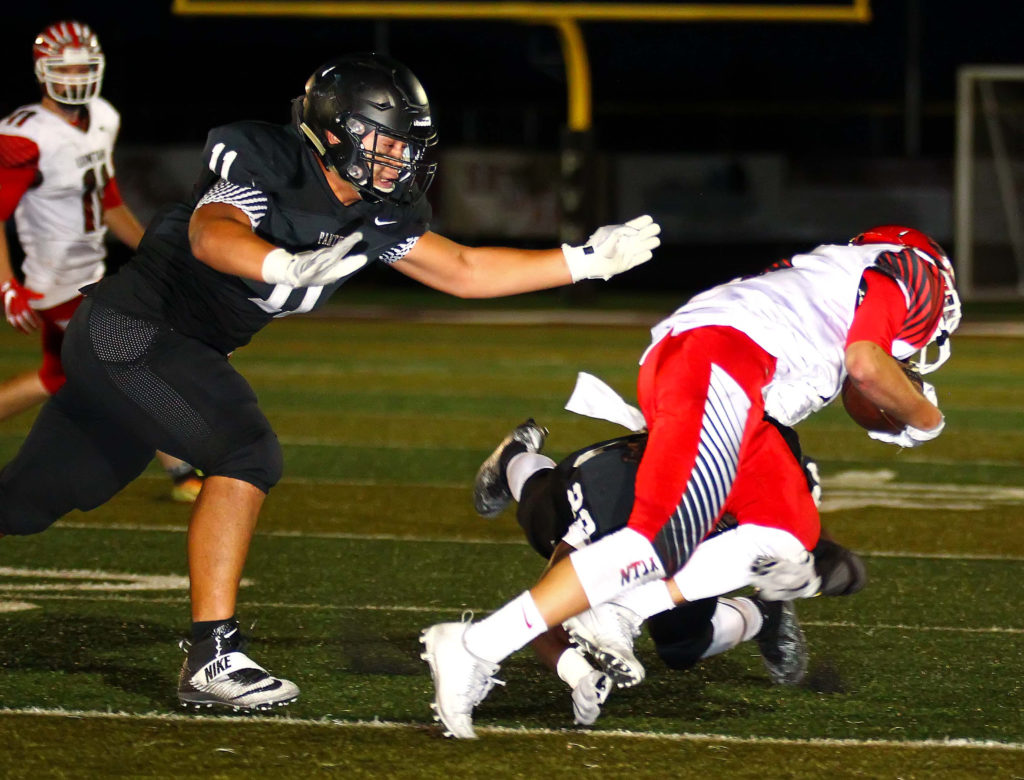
pixel 576 259
pixel 275 265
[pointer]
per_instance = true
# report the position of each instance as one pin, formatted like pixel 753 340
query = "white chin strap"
pixel 942 347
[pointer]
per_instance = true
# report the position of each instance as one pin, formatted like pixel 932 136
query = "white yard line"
pixel 286 722
pixel 470 540
pixel 134 598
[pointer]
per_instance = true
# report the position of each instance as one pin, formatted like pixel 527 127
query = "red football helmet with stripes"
pixel 69 62
pixel 927 248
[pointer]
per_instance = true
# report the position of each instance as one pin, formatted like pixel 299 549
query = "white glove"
pixel 911 436
pixel 785 579
pixel 314 268
pixel 613 249
pixel 588 696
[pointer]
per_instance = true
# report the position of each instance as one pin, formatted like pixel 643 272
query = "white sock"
pixel 734 621
pixel 523 466
pixel 498 636
pixel 647 599
pixel 572 667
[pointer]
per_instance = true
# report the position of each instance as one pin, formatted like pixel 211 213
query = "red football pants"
pixel 709 449
pixel 55 322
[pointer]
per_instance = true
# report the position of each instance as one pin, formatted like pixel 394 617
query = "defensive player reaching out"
pixel 778 344
pixel 57 181
pixel 282 216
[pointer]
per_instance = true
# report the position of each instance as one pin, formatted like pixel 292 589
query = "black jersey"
pixel 271 168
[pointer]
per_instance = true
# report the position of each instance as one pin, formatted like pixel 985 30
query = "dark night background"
pixel 831 97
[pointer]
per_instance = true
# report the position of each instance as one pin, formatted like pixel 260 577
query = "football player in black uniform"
pixel 281 218
pixel 588 495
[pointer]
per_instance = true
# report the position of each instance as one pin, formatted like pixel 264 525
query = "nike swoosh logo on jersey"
pixel 382 222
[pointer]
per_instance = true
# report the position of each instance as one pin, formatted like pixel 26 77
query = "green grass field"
pixel 371 536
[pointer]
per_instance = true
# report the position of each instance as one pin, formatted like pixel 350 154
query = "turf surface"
pixel 371 536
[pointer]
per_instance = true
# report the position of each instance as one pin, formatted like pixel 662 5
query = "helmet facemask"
pixel 949 321
pixel 370 149
pixel 368 118
pixel 69 63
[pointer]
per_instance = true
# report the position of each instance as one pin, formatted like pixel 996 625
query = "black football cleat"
pixel 781 641
pixel 217 672
pixel 491 493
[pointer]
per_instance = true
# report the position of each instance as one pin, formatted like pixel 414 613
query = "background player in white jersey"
pixel 780 344
pixel 57 181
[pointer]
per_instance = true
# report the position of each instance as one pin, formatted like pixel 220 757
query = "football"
pixel 866 414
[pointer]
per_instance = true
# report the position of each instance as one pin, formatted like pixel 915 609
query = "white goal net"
pixel 989 182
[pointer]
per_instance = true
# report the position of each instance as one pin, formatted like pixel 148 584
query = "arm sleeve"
pixel 251 201
pixel 111 195
pixel 920 281
pixel 881 312
pixel 19 169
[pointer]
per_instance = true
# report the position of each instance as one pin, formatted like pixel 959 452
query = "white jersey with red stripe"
pixel 60 219
pixel 800 311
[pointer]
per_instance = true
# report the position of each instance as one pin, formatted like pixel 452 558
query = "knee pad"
pixel 258 461
pixel 18 518
pixel 682 635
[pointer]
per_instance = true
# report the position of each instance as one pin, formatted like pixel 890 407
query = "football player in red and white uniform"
pixel 57 181
pixel 779 344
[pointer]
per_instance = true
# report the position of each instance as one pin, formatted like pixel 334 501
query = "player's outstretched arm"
pixel 490 272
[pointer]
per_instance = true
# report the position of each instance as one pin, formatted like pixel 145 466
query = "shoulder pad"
pixel 17 151
pixel 103 111
pixel 922 285
pixel 252 154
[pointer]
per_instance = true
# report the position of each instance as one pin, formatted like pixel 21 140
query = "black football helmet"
pixel 366 102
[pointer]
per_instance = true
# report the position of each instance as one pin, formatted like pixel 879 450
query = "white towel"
pixel 594 398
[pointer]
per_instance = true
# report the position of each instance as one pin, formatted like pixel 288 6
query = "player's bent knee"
pixel 685 653
pixel 23 519
pixel 682 635
pixel 259 462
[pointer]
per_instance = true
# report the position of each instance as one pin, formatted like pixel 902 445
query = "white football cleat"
pixel 461 679
pixel 606 632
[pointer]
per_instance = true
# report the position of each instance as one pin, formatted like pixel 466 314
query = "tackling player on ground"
pixel 281 217
pixel 587 495
pixel 779 344
pixel 57 181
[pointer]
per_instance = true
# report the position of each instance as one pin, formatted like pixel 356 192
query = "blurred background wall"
pixel 746 140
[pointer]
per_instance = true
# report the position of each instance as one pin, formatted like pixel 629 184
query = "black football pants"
pixel 133 386
pixel 680 635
